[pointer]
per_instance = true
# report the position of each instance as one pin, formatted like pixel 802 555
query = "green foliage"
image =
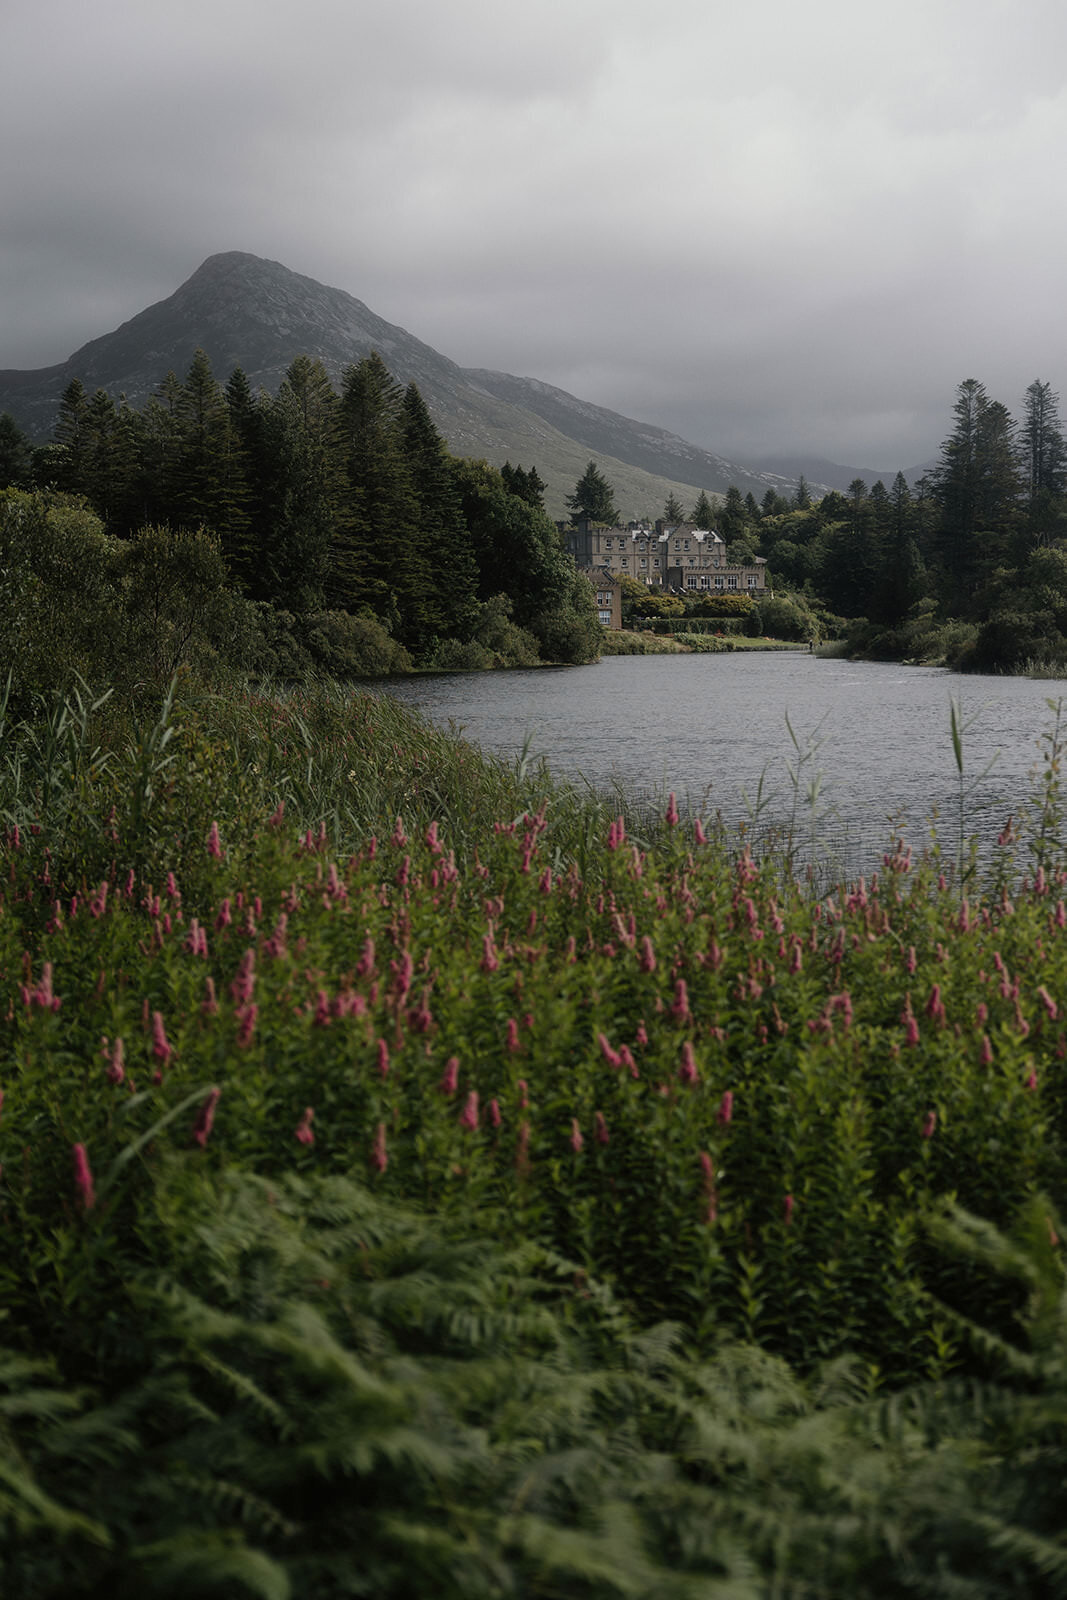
pixel 593 497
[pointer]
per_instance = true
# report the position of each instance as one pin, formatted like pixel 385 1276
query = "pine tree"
pixel 380 562
pixel 451 605
pixel 16 454
pixel 70 436
pixel 703 513
pixel 1044 452
pixel 673 510
pixel 306 492
pixel 593 497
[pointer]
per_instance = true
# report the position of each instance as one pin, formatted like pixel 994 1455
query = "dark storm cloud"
pixel 766 227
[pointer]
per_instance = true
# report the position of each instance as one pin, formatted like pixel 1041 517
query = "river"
pixel 874 739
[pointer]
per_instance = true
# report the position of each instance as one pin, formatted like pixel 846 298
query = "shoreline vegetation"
pixel 423 1176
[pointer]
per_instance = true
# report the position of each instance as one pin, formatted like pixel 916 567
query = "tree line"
pixel 325 501
pixel 968 565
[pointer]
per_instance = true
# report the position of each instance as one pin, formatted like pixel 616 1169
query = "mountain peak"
pixel 246 311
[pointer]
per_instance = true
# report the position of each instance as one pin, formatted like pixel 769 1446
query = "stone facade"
pixel 680 557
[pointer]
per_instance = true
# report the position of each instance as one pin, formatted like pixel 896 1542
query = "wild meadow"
pixel 421 1177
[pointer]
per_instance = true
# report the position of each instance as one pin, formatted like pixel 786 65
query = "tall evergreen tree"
pixel 16 455
pixel 1044 453
pixel 593 497
pixel 451 604
pixel 977 486
pixel 528 485
pixel 673 510
pixel 306 494
pixel 703 513
pixel 210 480
pixel 70 435
pixel 382 562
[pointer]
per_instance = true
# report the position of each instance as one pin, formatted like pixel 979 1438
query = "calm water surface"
pixel 712 726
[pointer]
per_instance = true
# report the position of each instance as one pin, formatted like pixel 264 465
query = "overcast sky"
pixel 769 225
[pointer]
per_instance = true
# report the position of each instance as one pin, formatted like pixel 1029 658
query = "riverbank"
pixel 626 643
pixel 359 1084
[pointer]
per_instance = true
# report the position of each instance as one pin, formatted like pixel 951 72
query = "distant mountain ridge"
pixel 245 311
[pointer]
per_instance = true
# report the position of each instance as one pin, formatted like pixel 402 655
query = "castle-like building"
pixel 675 556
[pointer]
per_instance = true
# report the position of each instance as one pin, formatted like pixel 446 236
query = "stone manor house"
pixel 678 557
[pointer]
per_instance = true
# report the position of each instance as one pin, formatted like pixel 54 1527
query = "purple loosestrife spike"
pixel 433 841
pixel 209 1005
pixel 647 959
pixel 116 1070
pixel 524 1093
pixel 611 1056
pixel 379 1160
pixel 600 1128
pixel 672 811
pixel 83 1178
pixel 1031 1082
pixel 513 1044
pixel 468 1117
pixel 162 1048
pixel 787 1209
pixel 246 1025
pixel 399 837
pixel 687 1071
pixel 490 959
pixel 206 1119
pixel 450 1076
pixel 243 986
pixel 1048 1002
pixel 576 1140
pixel 276 816
pixel 494 1113
pixel 641 1036
pixel 303 1131
pixel 680 1007
pixel 699 836
pixel 224 917
pixel 725 1113
pixel 383 1058
pixel 929 1125
pixel 214 845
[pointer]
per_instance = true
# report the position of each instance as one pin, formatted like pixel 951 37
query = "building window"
pixel 691 580
pixel 703 580
pixel 605 618
pixel 718 583
pixel 687 544
pixel 692 561
pixel 623 562
pixel 731 583
pixel 644 561
pixel 753 582
pixel 655 561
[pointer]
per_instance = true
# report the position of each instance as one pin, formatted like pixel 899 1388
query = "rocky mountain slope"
pixel 245 311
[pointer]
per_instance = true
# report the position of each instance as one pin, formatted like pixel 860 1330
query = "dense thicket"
pixel 339 514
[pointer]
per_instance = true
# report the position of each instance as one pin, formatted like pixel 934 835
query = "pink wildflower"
pixel 162 1048
pixel 647 959
pixel 929 1125
pixel 672 811
pixel 699 836
pixel 641 1036
pixel 399 837
pixel 1031 1082
pixel 383 1058
pixel 246 1025
pixel 680 1006
pixel 450 1076
pixel 687 1071
pixel 513 1046
pixel 469 1115
pixel 1048 1002
pixel 379 1160
pixel 601 1128
pixel 98 904
pixel 611 1056
pixel 524 1093
pixel 576 1140
pixel 224 916
pixel 935 1006
pixel 209 1005
pixel 214 845
pixel 725 1112
pixel 243 986
pixel 83 1178
pixel 277 815
pixel 303 1128
pixel 490 959
pixel 116 1069
pixel 787 1209
pixel 433 841
pixel 494 1113
pixel 206 1118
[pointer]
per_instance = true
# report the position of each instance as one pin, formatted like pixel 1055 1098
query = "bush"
pixel 353 647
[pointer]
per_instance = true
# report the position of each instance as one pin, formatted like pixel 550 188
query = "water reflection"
pixel 716 729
